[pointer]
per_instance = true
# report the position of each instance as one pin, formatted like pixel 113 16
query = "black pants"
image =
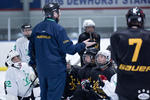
pixel 130 98
pixel 122 98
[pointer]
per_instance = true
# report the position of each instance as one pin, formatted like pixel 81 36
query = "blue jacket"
pixel 48 46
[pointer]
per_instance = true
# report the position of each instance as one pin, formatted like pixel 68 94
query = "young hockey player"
pixel 109 86
pixel 82 92
pixel 71 81
pixel 18 80
pixel 89 61
pixel 22 43
pixel 89 28
pixel 104 70
pixel 48 46
pixel 130 49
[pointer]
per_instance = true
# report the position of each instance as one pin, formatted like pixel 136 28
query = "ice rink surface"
pixel 73 59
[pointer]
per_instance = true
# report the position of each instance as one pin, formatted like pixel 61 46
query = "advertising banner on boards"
pixel 100 3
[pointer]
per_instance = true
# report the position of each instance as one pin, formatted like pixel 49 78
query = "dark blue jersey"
pixel 48 47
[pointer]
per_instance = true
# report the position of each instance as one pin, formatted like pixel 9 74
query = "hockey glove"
pixel 102 79
pixel 33 77
pixel 85 84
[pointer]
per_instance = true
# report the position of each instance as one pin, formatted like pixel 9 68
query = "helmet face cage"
pixel 103 58
pixel 16 59
pixel 99 61
pixel 10 56
pixel 135 17
pixel 50 8
pixel 88 58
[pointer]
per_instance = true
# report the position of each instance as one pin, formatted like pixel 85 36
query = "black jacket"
pixel 80 94
pixel 130 49
pixel 96 82
pixel 71 81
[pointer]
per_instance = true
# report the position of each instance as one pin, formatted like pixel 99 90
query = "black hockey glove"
pixel 85 85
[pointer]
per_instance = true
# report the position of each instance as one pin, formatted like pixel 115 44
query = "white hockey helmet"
pixel 105 53
pixel 10 56
pixel 88 22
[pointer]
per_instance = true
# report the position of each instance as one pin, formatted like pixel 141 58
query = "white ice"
pixel 2 91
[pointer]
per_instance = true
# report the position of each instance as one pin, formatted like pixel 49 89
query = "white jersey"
pixel 22 48
pixel 17 80
pixel 110 87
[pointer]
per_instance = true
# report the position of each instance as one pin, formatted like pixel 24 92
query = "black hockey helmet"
pixel 135 17
pixel 26 26
pixel 49 8
pixel 89 55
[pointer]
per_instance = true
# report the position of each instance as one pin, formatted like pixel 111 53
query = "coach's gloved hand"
pixel 85 85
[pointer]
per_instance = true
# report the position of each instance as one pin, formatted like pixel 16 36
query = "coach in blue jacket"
pixel 47 50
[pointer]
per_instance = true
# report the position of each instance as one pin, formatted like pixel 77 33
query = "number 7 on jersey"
pixel 138 42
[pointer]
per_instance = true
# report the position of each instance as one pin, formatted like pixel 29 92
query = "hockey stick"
pixel 29 87
pixel 97 95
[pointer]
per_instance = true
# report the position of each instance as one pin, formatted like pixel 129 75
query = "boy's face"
pixel 27 31
pixel 101 59
pixel 87 58
pixel 16 59
pixel 90 29
pixel 57 15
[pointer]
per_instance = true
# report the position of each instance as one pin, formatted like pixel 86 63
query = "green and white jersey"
pixel 17 80
pixel 22 48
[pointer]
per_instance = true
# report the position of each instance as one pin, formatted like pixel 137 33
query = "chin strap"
pixel 104 66
pixel 17 65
